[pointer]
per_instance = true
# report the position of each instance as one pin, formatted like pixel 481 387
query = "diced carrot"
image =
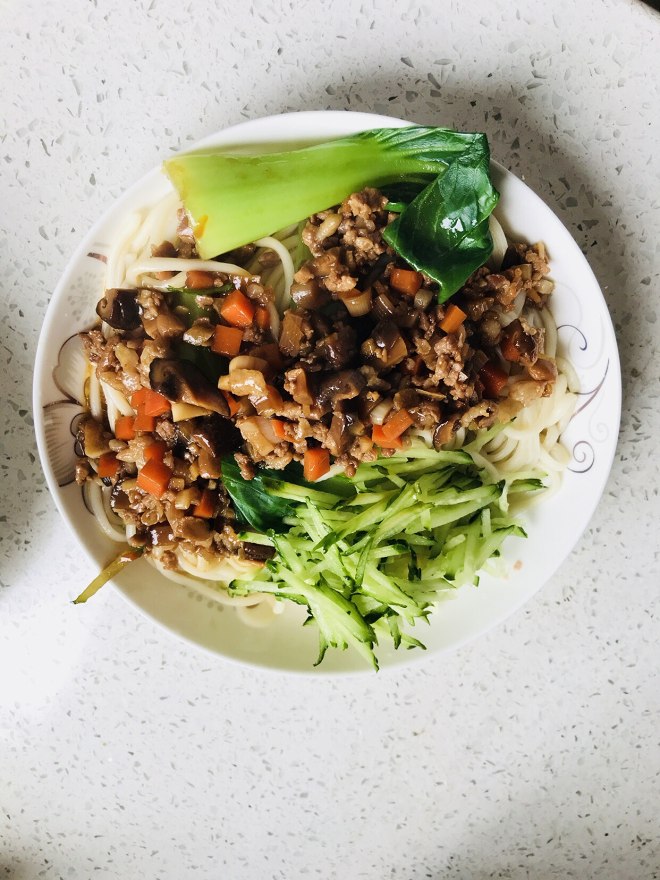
pixel 237 309
pixel 143 422
pixel 493 378
pixel 453 319
pixel 406 281
pixel 138 397
pixel 154 478
pixel 125 428
pixel 279 428
pixel 156 404
pixel 198 280
pixel 379 438
pixel 397 424
pixel 232 403
pixel 155 451
pixel 227 340
pixel 206 506
pixel 262 318
pixel 316 463
pixel 108 465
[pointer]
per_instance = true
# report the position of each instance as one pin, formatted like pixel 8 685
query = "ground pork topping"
pixel 365 345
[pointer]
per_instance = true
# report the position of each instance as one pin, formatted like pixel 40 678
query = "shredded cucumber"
pixel 373 557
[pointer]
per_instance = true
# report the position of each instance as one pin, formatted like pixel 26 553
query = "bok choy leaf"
pixel 444 230
pixel 233 199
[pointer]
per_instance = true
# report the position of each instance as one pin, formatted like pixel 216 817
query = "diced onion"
pixel 358 303
pixel 383 307
pixel 186 498
pixel 508 317
pixel 499 242
pixel 381 411
pixel 251 429
pixel 423 298
pixel 274 320
pixel 266 429
pixel 329 226
pixel 245 362
pixel 182 411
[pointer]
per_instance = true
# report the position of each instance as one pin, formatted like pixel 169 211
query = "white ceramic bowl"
pixel 554 526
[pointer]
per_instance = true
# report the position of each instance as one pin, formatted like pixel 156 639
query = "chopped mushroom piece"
pixel 296 383
pixel 341 432
pixel 119 308
pixel 543 369
pixel 521 343
pixel 345 385
pixel 338 348
pixel 210 438
pixel 445 431
pixel 386 347
pixel 180 380
pixel 92 438
pixel 257 552
pixel 293 333
pixel 308 294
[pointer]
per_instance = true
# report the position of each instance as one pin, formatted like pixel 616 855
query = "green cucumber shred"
pixel 370 556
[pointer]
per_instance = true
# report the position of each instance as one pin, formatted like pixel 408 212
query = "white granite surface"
pixel 532 753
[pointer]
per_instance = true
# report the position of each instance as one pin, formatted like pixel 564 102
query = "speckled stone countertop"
pixel 533 752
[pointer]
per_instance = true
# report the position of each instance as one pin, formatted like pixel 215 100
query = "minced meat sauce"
pixel 364 348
